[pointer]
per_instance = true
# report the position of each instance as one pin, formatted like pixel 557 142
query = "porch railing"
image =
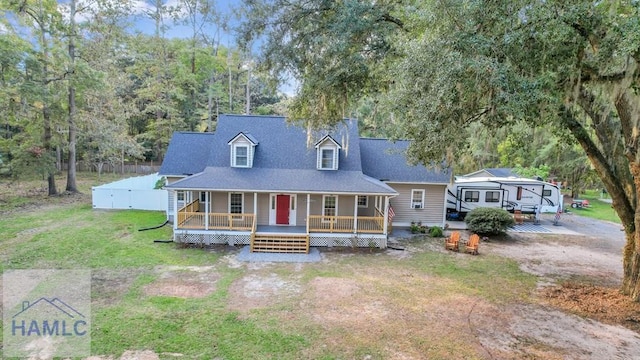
pixel 187 212
pixel 247 222
pixel 217 221
pixel 345 224
pixel 226 221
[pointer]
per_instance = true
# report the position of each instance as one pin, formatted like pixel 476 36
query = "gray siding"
pixel 263 208
pixel 433 212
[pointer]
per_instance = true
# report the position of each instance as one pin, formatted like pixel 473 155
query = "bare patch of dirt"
pixel 109 286
pixel 184 282
pixel 256 291
pixel 138 355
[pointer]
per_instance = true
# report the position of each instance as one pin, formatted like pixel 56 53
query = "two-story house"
pixel 262 181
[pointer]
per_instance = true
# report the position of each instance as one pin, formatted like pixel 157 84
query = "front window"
pixel 492 196
pixel 417 199
pixel 471 196
pixel 235 203
pixel 180 195
pixel 363 201
pixel 330 205
pixel 242 156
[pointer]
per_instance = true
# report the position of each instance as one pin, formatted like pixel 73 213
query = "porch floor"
pixel 282 229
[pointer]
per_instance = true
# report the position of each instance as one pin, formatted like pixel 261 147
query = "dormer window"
pixel 328 150
pixel 242 156
pixel 327 156
pixel 242 150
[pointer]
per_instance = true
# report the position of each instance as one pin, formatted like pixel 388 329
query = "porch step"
pixel 280 243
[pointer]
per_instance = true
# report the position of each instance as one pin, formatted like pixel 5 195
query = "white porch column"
pixel 355 214
pixel 386 214
pixel 255 209
pixel 175 209
pixel 308 210
pixel 206 210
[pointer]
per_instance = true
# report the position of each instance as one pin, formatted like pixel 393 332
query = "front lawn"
pixel 598 208
pixel 308 309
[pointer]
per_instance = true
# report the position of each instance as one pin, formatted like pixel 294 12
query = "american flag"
pixel 391 213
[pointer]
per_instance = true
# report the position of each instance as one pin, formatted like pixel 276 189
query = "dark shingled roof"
pixel 281 180
pixel 283 145
pixel 285 159
pixel 386 160
pixel 495 172
pixel 502 172
pixel 187 154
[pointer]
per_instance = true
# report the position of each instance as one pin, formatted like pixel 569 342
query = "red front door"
pixel 282 209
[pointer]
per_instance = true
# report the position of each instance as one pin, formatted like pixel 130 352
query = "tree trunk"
pixel 631 253
pixel 71 168
pixel 615 183
pixel 46 116
pixel 628 113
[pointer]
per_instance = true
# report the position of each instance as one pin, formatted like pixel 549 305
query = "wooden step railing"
pixel 280 243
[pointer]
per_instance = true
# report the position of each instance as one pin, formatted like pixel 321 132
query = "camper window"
pixel 492 196
pixel 471 196
pixel 546 193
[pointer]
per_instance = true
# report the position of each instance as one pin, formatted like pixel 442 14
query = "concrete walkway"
pixel 247 256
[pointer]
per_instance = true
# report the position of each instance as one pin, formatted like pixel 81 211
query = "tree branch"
pixel 610 179
pixel 476 116
pixel 392 19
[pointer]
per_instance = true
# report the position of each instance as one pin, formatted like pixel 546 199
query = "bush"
pixel 488 221
pixel 435 231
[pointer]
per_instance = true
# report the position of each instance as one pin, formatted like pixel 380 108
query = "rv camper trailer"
pixel 511 194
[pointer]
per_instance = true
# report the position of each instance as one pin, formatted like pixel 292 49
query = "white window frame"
pixel 241 202
pixel 366 201
pixel 420 203
pixel 334 157
pixel 324 206
pixel 234 159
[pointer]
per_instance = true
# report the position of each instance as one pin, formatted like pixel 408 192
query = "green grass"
pixel 491 277
pixel 597 209
pixel 74 236
pixel 80 237
pixel 196 328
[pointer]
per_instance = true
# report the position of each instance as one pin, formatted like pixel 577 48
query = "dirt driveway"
pixel 583 249
pixel 593 255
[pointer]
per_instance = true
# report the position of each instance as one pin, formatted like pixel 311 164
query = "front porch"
pixel 193 225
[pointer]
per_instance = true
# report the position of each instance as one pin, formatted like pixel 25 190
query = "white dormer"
pixel 242 148
pixel 327 153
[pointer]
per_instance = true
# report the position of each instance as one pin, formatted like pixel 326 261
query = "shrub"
pixel 488 221
pixel 435 231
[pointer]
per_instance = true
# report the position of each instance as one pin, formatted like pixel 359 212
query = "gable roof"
pixel 493 172
pixel 387 161
pixel 247 136
pixel 325 139
pixel 187 154
pixel 286 159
